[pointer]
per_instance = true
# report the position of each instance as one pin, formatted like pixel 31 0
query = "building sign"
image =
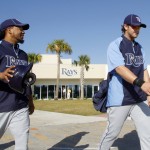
pixel 69 72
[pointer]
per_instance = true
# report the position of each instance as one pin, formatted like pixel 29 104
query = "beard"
pixel 21 41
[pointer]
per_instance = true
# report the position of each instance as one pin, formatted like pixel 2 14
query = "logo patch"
pixel 11 61
pixel 136 61
pixel 138 19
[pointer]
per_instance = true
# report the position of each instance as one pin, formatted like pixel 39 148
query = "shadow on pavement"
pixel 130 141
pixel 70 142
pixel 7 145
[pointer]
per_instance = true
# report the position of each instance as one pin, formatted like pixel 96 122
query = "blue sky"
pixel 87 25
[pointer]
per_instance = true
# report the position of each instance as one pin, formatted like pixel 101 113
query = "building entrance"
pixel 47 92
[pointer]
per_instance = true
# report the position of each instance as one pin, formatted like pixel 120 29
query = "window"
pixel 37 91
pixel 51 92
pixel 44 92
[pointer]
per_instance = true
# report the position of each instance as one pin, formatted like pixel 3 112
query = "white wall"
pixel 47 69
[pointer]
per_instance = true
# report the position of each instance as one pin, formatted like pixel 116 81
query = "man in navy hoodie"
pixel 14 107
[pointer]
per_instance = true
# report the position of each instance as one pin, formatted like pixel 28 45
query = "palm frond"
pixel 34 58
pixel 59 46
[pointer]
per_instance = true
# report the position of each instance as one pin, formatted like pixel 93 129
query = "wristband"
pixel 138 82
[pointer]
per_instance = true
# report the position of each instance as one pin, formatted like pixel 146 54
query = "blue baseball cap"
pixel 13 22
pixel 134 20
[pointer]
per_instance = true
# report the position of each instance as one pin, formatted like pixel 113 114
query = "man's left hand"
pixel 31 108
pixel 148 100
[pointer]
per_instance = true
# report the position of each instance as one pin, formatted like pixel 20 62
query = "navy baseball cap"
pixel 13 22
pixel 134 20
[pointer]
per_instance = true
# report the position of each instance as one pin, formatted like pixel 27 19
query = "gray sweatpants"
pixel 18 123
pixel 140 114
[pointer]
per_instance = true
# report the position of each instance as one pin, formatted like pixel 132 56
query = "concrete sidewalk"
pixel 57 131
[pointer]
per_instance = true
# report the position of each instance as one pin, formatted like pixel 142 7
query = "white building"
pixel 46 74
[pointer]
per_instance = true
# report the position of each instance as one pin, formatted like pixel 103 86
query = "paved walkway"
pixel 57 131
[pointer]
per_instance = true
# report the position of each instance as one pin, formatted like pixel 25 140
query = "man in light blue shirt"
pixel 129 87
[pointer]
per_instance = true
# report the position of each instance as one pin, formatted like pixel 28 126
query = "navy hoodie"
pixel 11 55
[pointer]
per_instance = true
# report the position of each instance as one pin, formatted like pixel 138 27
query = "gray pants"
pixel 18 123
pixel 140 114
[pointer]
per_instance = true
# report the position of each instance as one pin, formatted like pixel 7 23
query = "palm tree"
pixel 84 62
pixel 58 47
pixel 34 58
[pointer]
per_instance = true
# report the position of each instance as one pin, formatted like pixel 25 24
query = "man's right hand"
pixel 146 88
pixel 6 74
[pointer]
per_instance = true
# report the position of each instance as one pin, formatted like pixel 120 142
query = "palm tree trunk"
pixel 82 82
pixel 58 76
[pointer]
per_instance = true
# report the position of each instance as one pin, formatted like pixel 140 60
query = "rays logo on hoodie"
pixel 11 61
pixel 136 61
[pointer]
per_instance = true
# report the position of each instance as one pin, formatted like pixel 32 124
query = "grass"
pixel 79 107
